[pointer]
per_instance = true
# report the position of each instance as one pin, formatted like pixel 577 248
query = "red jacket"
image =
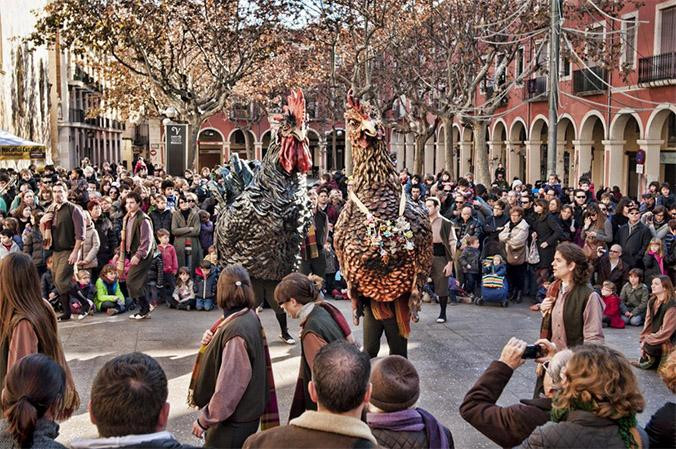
pixel 169 259
pixel 612 311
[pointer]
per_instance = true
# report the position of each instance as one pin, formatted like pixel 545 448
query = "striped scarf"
pixel 270 416
pixel 311 251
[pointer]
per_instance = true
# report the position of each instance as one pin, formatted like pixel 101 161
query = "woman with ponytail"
pixel 320 324
pixel 28 325
pixel 33 395
pixel 232 379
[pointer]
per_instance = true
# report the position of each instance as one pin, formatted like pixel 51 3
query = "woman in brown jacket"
pixel 29 324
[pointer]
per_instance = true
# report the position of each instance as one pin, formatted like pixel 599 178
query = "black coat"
pixel 161 220
pixel 618 276
pixel 661 428
pixel 548 230
pixel 634 245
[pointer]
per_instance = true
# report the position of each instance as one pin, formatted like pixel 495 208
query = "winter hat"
pixel 395 382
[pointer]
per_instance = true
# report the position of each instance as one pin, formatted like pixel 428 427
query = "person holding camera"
pixel 509 426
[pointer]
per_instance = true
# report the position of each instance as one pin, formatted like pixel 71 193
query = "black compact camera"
pixel 533 352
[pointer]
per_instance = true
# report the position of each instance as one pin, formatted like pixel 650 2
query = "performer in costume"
pixel 443 249
pixel 320 323
pixel 63 230
pixel 383 241
pixel 232 379
pixel 139 246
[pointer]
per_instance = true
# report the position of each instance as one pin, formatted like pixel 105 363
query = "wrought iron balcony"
pixel 76 115
pixel 587 81
pixel 657 68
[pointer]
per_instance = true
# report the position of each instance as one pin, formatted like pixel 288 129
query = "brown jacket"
pixel 507 426
pixel 316 430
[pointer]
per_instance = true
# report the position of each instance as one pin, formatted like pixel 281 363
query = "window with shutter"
pixel 629 41
pixel 668 36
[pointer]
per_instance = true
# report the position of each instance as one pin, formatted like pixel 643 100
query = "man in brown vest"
pixel 63 227
pixel 139 248
pixel 340 387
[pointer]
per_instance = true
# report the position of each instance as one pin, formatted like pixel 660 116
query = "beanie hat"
pixel 395 382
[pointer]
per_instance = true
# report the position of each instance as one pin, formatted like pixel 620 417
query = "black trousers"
pixel 515 277
pixel 373 330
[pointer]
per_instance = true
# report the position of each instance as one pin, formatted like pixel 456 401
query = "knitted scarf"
pixel 382 311
pixel 626 424
pixel 311 250
pixel 411 420
pixel 546 326
pixel 270 416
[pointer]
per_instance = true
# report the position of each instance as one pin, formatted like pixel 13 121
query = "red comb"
pixel 296 106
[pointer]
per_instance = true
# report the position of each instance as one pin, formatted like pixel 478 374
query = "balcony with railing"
pixel 589 81
pixel 76 115
pixel 536 89
pixel 657 68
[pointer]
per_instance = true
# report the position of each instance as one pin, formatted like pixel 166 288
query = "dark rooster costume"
pixel 263 228
pixel 383 241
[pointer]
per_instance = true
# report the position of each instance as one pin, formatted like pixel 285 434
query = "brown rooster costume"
pixel 383 241
pixel 263 228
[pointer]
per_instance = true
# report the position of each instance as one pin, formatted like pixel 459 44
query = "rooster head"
pixel 294 153
pixel 364 126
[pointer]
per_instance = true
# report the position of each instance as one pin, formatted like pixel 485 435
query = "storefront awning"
pixel 16 148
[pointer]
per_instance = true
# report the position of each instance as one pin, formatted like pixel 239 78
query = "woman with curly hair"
pixel 597 404
pixel 572 312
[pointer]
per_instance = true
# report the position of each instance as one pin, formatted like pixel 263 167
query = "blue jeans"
pixel 472 282
pixel 204 304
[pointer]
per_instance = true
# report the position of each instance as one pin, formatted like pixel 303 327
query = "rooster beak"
pixel 369 128
pixel 299 134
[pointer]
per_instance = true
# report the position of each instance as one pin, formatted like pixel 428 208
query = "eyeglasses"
pixel 580 197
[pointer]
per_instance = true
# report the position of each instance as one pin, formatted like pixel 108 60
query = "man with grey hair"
pixel 610 267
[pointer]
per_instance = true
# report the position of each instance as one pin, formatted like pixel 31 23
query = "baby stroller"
pixel 494 286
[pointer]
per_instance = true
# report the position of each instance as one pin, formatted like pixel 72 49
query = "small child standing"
pixel 183 297
pixel 169 264
pixel 470 265
pixel 109 297
pixel 155 279
pixel 49 291
pixel 82 294
pixel 611 312
pixel 205 286
pixel 206 230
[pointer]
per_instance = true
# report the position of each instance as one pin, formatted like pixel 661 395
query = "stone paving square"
pixel 449 358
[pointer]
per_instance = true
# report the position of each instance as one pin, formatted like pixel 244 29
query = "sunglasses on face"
pixel 580 197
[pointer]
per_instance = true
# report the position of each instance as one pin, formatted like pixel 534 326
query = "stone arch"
pixel 516 160
pixel 210 147
pixel 565 150
pixel 536 157
pixel 498 146
pixel 619 123
pixel 660 145
pixel 589 147
pixel 498 122
pixel 237 142
pixel 587 125
pixel 626 130
pixel 315 145
pixel 266 139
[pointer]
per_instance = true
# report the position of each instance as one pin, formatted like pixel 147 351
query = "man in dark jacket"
pixel 510 425
pixel 610 267
pixel 634 238
pixel 128 405
pixel 340 387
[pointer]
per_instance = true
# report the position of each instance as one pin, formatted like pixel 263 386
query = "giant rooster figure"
pixel 383 241
pixel 264 227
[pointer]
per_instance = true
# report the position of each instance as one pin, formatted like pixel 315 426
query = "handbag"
pixel 533 256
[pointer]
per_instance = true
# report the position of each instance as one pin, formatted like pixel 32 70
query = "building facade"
pixel 603 120
pixel 51 96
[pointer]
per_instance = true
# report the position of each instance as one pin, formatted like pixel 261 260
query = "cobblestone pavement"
pixel 449 358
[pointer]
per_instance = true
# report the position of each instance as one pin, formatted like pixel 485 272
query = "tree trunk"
pixel 449 145
pixel 334 149
pixel 419 156
pixel 248 144
pixel 481 172
pixel 194 126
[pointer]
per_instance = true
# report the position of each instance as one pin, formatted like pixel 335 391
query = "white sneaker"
pixel 82 316
pixel 138 316
pixel 288 340
pixel 441 320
